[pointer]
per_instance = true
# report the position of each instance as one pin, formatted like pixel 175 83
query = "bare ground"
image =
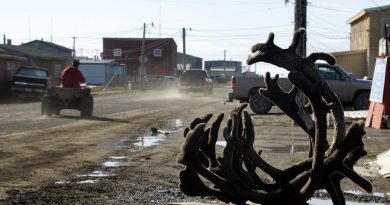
pixel 56 165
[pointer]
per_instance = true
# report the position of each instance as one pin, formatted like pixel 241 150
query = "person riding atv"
pixel 69 95
pixel 71 77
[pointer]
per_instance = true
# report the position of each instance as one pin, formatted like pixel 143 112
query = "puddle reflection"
pixel 315 201
pixel 147 141
pixel 277 149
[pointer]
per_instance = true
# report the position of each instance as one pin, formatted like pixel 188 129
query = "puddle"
pixel 96 174
pixel 221 143
pixel 61 182
pixel 286 149
pixel 175 123
pixel 111 164
pixel 315 201
pixel 87 182
pixel 114 161
pixel 148 141
pixel 281 149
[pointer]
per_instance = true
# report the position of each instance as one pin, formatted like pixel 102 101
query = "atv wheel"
pixel 46 106
pixel 259 104
pixel 86 108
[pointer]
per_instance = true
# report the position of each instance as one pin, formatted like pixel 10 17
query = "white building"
pixel 103 72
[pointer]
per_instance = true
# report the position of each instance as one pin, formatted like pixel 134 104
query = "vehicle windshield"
pixel 349 74
pixel 194 75
pixel 32 72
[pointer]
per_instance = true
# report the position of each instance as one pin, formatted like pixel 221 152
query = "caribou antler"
pixel 234 174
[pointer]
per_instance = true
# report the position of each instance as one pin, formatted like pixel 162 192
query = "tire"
pixel 46 106
pixel 362 101
pixel 259 104
pixel 86 107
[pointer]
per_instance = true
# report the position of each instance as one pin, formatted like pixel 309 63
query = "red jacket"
pixel 71 77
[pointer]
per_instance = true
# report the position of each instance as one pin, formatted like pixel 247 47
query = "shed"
pixel 367 29
pixel 103 72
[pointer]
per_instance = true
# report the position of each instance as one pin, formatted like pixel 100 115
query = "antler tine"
pixel 296 39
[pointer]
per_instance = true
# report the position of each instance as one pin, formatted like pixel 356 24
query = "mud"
pixel 106 162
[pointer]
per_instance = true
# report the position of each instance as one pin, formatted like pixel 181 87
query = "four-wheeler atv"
pixel 58 98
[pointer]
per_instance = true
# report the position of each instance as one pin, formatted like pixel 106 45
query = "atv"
pixel 58 98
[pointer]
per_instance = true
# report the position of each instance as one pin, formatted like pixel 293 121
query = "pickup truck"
pixel 196 81
pixel 30 81
pixel 350 90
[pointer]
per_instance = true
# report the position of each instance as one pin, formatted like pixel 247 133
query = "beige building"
pixel 367 28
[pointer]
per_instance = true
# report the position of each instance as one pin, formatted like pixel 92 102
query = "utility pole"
pixel 300 22
pixel 224 64
pixel 184 49
pixel 142 56
pixel 74 46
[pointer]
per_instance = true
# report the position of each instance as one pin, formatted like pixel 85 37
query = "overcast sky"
pixel 212 25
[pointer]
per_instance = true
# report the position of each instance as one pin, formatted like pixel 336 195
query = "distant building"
pixel 160 55
pixel 38 58
pixel 223 70
pixel 367 29
pixel 8 66
pixel 103 72
pixel 192 62
pixel 49 47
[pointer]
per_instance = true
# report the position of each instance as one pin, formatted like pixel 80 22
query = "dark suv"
pixel 196 81
pixel 30 81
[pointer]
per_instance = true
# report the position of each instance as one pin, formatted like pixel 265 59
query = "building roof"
pixel 92 61
pixel 191 56
pixel 29 51
pixel 140 39
pixel 367 11
pixel 48 43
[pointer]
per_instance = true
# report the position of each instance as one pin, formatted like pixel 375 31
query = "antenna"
pixel 51 29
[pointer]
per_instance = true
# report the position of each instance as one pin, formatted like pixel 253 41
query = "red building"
pixel 8 66
pixel 160 55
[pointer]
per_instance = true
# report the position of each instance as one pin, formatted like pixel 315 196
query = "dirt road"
pixel 113 159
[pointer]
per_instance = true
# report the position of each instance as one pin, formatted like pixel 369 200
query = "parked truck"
pixel 30 81
pixel 350 90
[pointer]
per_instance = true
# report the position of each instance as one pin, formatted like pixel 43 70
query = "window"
pixel 11 67
pixel 328 73
pixel 157 52
pixel 117 52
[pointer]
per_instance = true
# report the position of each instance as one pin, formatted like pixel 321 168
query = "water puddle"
pixel 96 174
pixel 286 149
pixel 352 196
pixel 140 139
pixel 221 143
pixel 114 161
pixel 89 181
pixel 277 149
pixel 175 123
pixel 315 201
pixel 148 141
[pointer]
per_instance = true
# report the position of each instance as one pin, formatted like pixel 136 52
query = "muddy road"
pixel 113 158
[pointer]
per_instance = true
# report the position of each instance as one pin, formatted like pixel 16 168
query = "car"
pixel 30 81
pixel 196 81
pixel 350 90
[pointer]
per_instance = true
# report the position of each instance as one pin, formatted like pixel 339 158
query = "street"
pixel 113 158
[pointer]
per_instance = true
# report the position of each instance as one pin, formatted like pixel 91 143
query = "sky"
pixel 215 29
